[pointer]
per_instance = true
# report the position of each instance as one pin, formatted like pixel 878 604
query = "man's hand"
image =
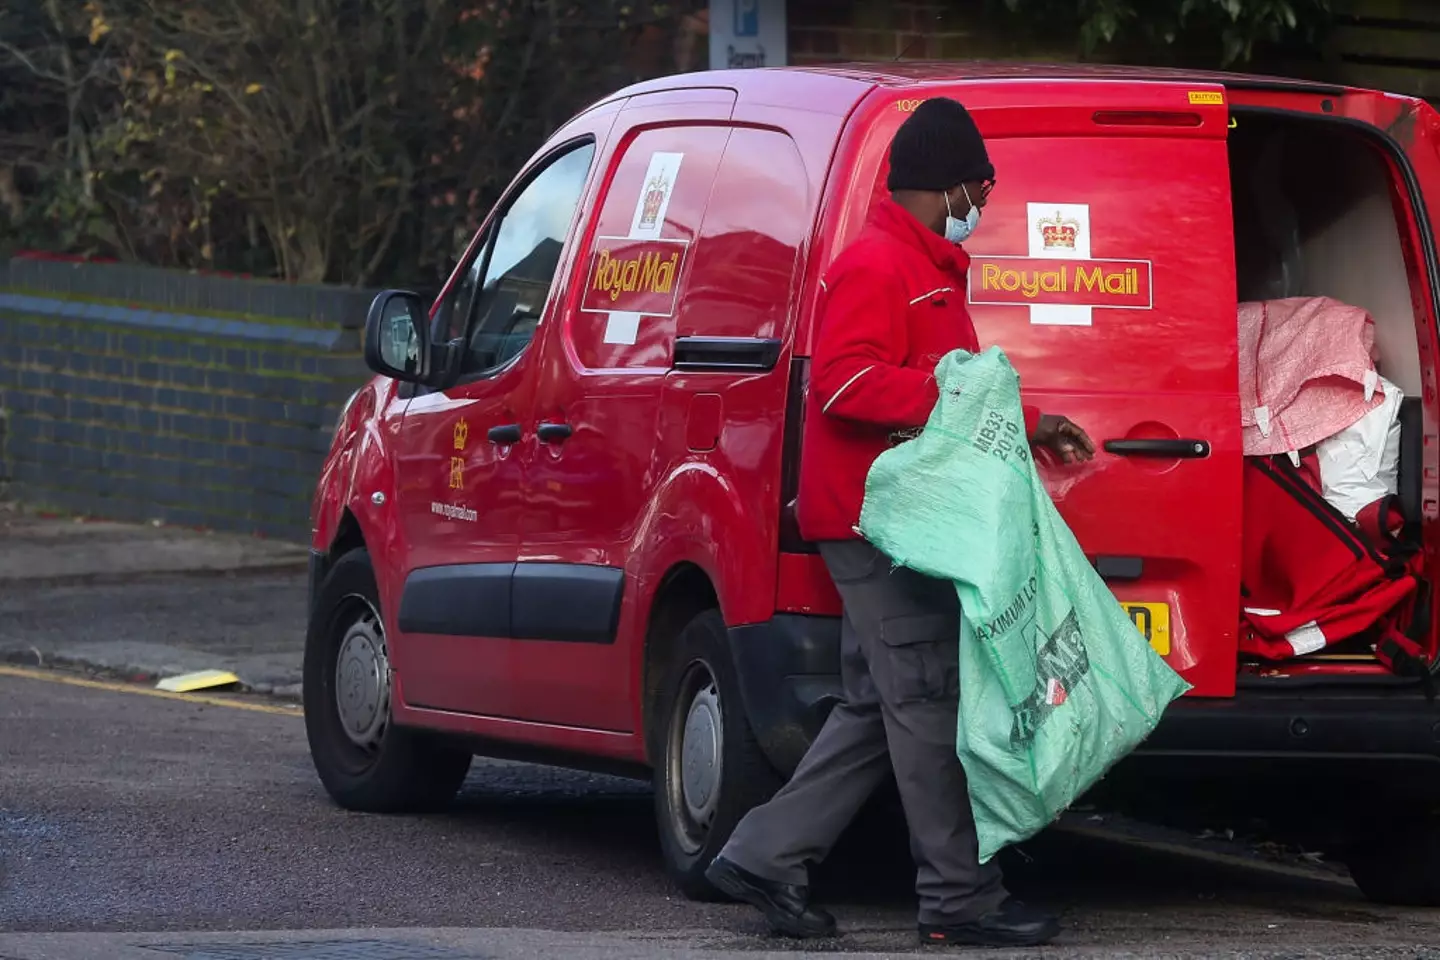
pixel 1064 438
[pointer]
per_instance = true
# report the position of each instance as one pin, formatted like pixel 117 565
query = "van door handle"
pixel 506 435
pixel 1172 449
pixel 553 432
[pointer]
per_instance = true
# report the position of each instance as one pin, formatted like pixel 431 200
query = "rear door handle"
pixel 553 432
pixel 506 435
pixel 1172 449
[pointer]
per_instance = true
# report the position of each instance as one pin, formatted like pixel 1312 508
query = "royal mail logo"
pixel 1058 232
pixel 1032 281
pixel 634 276
pixel 657 191
pixel 653 202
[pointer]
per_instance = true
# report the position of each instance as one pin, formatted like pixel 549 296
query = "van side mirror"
pixel 397 337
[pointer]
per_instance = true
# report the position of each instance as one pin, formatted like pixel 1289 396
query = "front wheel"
pixel 366 762
pixel 709 770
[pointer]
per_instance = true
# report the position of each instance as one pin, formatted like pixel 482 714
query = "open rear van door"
pixel 1368 237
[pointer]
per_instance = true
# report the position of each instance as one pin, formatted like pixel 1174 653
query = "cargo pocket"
pixel 922 654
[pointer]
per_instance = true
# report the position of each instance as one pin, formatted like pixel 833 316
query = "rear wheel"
pixel 709 769
pixel 366 762
pixel 1400 863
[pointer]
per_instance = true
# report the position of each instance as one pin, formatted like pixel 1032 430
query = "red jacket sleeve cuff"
pixel 1032 420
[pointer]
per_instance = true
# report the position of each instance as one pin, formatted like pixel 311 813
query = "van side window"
pixel 454 312
pixel 500 299
pixel 655 197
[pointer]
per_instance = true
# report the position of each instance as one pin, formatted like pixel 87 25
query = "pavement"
pixel 51 549
pixel 150 601
pixel 140 826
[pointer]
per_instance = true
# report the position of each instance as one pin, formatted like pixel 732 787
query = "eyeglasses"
pixel 978 198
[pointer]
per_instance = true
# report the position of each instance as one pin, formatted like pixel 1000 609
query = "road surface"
pixel 134 826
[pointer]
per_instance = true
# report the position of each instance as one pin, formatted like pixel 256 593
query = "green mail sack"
pixel 1056 683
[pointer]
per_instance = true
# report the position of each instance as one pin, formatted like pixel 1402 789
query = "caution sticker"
pixel 1207 98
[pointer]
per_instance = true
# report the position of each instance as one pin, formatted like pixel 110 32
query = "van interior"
pixel 1315 214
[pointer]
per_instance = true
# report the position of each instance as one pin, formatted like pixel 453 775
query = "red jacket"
pixel 894 304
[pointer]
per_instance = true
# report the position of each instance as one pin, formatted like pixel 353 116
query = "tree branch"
pixel 19 56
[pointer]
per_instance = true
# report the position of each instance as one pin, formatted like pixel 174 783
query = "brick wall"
pixel 827 31
pixel 1391 45
pixel 140 394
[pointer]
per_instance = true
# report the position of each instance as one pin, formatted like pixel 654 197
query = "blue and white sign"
pixel 747 18
pixel 747 33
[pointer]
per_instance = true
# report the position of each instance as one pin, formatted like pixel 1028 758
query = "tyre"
pixel 366 762
pixel 1399 864
pixel 709 770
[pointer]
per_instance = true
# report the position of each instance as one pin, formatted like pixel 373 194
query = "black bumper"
pixel 789 671
pixel 1386 735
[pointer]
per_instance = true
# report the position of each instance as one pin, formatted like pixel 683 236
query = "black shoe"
pixel 785 905
pixel 1012 925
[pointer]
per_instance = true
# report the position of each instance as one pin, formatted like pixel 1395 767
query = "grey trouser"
pixel 899 667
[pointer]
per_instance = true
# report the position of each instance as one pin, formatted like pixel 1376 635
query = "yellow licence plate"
pixel 1152 620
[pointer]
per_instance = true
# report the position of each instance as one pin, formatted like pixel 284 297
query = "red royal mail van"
pixel 559 524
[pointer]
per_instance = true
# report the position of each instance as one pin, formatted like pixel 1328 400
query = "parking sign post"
pixel 747 33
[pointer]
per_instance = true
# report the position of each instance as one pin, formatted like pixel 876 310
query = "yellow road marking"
pixel 113 687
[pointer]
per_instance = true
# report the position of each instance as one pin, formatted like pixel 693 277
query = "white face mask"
pixel 957 231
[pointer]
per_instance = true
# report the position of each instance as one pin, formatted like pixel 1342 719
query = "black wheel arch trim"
pixel 788 669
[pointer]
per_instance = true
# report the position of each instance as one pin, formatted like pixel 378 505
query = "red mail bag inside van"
pixel 1310 579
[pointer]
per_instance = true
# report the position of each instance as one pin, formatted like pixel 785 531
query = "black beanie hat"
pixel 938 148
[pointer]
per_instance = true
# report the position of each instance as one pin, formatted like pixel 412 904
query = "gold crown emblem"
pixel 1058 231
pixel 462 434
pixel 654 197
